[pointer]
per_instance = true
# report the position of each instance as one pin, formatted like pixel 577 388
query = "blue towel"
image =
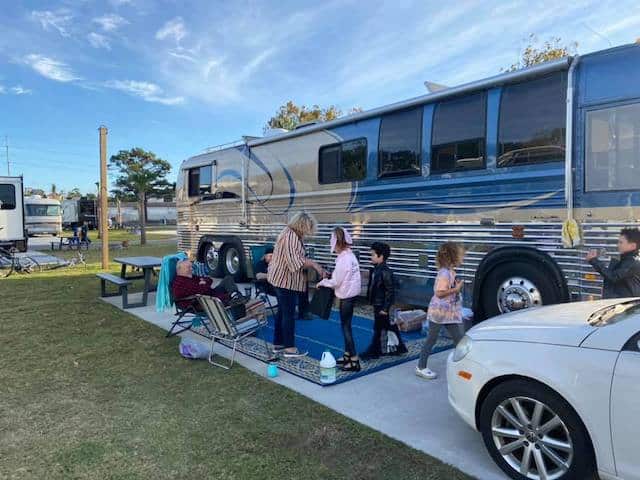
pixel 167 274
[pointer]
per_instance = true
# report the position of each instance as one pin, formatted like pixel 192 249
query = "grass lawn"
pixel 90 392
pixel 118 235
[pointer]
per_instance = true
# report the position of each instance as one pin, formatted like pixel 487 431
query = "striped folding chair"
pixel 223 327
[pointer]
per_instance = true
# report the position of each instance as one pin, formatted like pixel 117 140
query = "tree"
pixel 290 115
pixel 140 174
pixel 549 50
pixel 74 193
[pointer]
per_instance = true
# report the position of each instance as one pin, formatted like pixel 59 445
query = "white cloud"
pixel 50 68
pixel 20 90
pixel 110 22
pixel 173 28
pixel 148 91
pixel 56 20
pixel 98 41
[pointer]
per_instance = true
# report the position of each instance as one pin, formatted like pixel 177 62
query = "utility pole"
pixel 6 145
pixel 104 208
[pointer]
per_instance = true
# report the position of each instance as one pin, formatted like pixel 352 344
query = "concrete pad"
pixel 393 401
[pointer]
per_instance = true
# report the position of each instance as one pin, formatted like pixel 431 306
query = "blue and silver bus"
pixel 500 165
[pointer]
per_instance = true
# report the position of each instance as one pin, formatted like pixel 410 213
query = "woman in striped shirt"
pixel 286 274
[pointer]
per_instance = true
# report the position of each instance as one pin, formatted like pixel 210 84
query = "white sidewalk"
pixel 393 401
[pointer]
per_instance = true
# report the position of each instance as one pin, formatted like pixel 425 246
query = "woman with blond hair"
pixel 286 274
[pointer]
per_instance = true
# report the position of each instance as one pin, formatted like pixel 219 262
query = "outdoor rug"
pixel 317 335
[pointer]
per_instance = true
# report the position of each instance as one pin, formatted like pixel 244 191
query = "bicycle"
pixel 10 262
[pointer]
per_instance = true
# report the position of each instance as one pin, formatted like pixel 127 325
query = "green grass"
pixel 90 392
pixel 119 235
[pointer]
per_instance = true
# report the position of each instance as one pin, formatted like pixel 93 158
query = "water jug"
pixel 327 368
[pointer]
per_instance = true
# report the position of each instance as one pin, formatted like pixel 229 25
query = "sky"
pixel 175 77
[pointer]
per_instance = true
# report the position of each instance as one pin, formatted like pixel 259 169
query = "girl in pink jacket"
pixel 345 281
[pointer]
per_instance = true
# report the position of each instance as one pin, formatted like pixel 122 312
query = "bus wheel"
pixel 211 257
pixel 231 262
pixel 515 286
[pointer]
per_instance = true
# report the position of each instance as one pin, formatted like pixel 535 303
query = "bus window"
pixel 36 210
pixel 399 149
pixel 199 181
pixel 532 122
pixel 613 148
pixel 458 134
pixel 7 197
pixel 343 162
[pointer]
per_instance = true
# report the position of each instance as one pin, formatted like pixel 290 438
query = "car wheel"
pixel 211 258
pixel 532 433
pixel 231 262
pixel 515 286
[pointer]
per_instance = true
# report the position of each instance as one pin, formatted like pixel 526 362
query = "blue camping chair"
pixel 257 252
pixel 186 315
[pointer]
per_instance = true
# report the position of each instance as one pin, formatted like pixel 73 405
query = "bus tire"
pixel 517 285
pixel 232 261
pixel 211 258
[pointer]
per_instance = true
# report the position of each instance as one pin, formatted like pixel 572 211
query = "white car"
pixel 555 391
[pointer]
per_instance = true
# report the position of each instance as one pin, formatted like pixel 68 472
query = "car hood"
pixel 563 324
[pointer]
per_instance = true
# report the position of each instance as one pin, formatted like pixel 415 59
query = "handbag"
pixel 322 302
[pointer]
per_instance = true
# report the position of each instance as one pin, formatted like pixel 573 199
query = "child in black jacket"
pixel 381 294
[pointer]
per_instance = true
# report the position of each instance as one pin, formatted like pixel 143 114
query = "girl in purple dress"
pixel 445 307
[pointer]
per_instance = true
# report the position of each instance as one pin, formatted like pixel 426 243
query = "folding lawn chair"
pixel 224 327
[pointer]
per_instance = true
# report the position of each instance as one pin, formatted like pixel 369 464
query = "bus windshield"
pixel 43 210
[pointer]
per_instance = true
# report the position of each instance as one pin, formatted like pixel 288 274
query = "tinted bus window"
pixel 199 181
pixel 7 197
pixel 458 134
pixel 399 145
pixel 532 122
pixel 42 210
pixel 343 162
pixel 613 148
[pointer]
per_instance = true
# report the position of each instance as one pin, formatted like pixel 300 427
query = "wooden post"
pixel 104 206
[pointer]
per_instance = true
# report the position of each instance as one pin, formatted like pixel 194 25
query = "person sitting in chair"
pixel 262 267
pixel 186 285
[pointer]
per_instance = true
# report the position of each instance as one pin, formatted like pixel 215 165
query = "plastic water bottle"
pixel 327 368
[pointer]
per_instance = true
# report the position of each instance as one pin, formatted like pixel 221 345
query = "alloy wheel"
pixel 532 438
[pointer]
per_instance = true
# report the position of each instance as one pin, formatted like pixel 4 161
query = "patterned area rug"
pixel 317 335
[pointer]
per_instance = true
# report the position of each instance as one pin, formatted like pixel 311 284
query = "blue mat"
pixel 317 335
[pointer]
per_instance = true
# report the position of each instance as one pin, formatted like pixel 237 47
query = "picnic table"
pixel 147 265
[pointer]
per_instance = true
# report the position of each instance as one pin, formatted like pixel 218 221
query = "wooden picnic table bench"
pixel 123 289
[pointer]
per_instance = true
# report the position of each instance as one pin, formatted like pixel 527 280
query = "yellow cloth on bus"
pixel 571 233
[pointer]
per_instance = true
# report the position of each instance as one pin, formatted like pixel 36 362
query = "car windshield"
pixel 614 313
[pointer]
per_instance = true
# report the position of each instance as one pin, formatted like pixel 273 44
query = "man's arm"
pixel 389 289
pixel 615 275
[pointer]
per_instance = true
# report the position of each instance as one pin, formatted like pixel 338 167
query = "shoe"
pixel 341 361
pixel 351 366
pixel 277 349
pixel 426 373
pixel 296 354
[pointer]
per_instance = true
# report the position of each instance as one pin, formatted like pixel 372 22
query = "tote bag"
pixel 322 302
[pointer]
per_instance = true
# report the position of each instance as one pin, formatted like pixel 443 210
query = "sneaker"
pixel 426 373
pixel 277 349
pixel 294 354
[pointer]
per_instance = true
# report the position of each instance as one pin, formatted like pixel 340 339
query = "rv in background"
pixel 12 228
pixel 76 211
pixel 42 215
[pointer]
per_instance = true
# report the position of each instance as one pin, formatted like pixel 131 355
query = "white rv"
pixel 12 227
pixel 42 215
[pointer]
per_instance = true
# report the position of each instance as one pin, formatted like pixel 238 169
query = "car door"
pixel 625 410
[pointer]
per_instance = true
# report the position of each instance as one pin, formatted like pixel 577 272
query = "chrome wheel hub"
pixel 532 438
pixel 517 293
pixel 212 258
pixel 232 261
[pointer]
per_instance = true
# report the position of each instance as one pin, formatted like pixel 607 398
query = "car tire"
pixel 522 271
pixel 211 259
pixel 498 433
pixel 232 262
